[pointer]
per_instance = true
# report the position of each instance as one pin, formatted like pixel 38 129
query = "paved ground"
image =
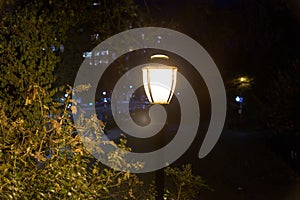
pixel 242 167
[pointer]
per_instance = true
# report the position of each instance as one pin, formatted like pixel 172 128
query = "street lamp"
pixel 244 82
pixel 159 83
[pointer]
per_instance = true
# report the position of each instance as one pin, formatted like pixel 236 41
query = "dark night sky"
pixel 242 36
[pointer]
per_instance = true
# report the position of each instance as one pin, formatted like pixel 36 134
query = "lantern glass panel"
pixel 159 83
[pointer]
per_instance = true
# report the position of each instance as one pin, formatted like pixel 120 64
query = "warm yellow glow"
pixel 159 83
pixel 244 79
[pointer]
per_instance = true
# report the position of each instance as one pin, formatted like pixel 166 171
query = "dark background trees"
pixel 254 38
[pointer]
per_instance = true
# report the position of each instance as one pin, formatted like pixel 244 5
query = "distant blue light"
pixel 53 48
pixel 239 99
pixel 91 104
pixel 130 86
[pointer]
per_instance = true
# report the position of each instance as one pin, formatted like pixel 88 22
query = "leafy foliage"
pixel 185 184
pixel 51 162
pixel 41 156
pixel 31 38
pixel 28 37
pixel 281 101
pixel 48 160
pixel 97 23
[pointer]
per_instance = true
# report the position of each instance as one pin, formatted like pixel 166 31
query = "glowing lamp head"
pixel 159 83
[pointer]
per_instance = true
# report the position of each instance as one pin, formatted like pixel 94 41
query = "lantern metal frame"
pixel 149 85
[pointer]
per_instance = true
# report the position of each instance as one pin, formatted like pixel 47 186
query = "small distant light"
pixel 66 95
pixel 178 93
pixel 105 52
pixel 130 86
pixel 61 48
pixel 114 55
pixel 105 100
pixel 53 48
pixel 239 99
pixel 104 93
pixel 90 104
pixel 96 36
pixel 87 54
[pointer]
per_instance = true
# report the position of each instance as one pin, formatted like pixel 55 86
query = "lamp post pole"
pixel 159 184
pixel 160 173
pixel 159 84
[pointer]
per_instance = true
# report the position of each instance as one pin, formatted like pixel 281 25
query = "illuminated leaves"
pixel 27 59
pixel 186 184
pixel 73 109
pixel 51 163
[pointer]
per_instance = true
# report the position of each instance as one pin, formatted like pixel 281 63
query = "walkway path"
pixel 242 167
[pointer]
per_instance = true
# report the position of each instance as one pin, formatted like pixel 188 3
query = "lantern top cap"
pixel 160 67
pixel 159 56
pixel 157 65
